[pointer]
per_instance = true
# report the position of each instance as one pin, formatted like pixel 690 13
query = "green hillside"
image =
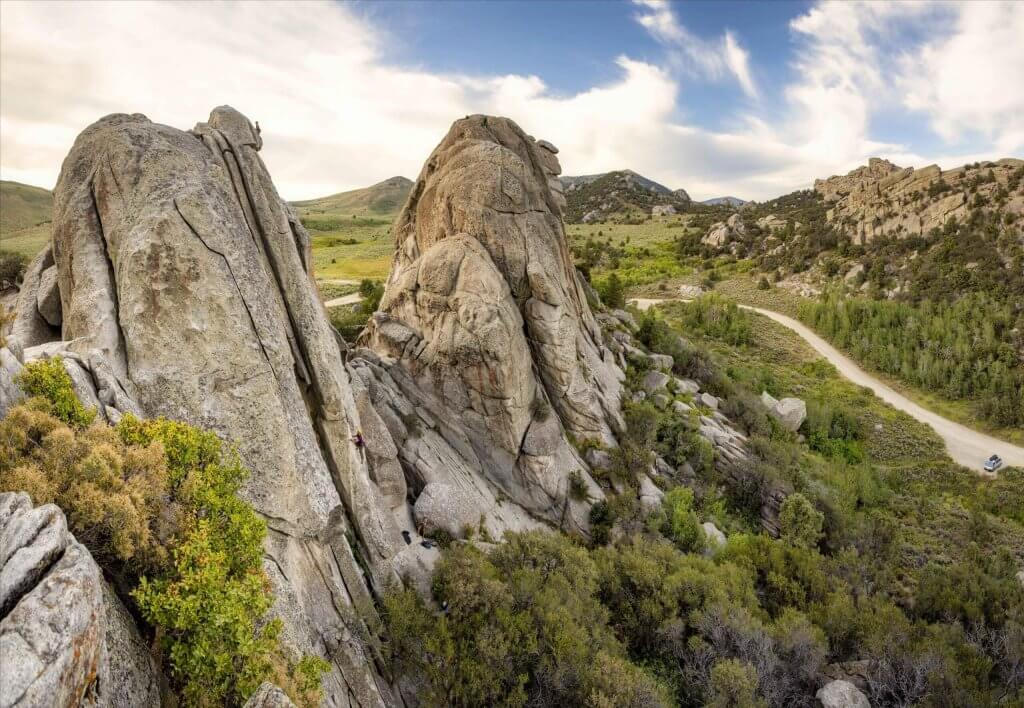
pixel 382 199
pixel 24 217
pixel 622 196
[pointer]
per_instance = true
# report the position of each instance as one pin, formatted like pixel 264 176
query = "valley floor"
pixel 967 447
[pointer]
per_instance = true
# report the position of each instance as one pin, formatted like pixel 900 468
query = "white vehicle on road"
pixel 993 463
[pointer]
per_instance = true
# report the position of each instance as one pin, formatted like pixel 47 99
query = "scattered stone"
pixel 687 386
pixel 841 694
pixel 655 381
pixel 710 401
pixel 650 494
pixel 681 408
pixel 663 210
pixel 625 318
pixel 690 292
pixel 714 536
pixel 269 696
pixel 663 362
pixel 790 412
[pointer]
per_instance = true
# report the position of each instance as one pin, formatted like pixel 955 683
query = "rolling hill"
pixel 381 199
pixel 25 213
pixel 621 195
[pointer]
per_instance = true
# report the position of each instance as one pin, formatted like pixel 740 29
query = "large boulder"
pixel 725 232
pixel 790 412
pixel 485 317
pixel 186 288
pixel 442 507
pixel 841 694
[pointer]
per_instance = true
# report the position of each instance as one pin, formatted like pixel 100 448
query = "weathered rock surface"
pixel 30 327
pixel 485 325
pixel 841 694
pixel 725 232
pixel 713 535
pixel 10 367
pixel 186 292
pixel 269 696
pixel 134 679
pixel 52 619
pixel 791 412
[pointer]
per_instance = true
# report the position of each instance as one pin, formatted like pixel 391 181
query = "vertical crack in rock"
pixel 194 263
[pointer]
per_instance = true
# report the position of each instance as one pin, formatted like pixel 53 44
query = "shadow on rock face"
pixel 486 318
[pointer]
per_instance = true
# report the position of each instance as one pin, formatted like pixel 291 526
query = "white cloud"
pixel 336 114
pixel 711 59
pixel 970 81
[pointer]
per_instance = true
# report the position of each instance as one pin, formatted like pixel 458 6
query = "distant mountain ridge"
pixel 726 201
pixel 622 194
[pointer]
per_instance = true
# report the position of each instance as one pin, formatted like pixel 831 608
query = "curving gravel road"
pixel 967 447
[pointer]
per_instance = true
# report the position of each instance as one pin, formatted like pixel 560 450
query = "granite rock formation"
pixel 185 291
pixel 484 357
pixel 882 199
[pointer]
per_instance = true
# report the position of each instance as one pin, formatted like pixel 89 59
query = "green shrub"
pixel 799 522
pixel 612 292
pixel 522 626
pixel 49 379
pixel 156 502
pixel 734 685
pixel 684 526
pixel 12 268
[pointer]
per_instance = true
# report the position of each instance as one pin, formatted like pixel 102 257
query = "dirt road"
pixel 350 299
pixel 967 447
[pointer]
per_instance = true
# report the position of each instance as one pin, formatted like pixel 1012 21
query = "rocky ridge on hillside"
pixel 881 199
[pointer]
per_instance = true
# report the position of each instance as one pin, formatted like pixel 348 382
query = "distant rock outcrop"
pixel 882 199
pixel 725 232
pixel 485 355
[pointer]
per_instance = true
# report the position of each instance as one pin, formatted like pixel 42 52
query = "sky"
pixel 750 99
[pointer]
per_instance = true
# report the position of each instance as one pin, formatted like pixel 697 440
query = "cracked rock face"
pixel 486 318
pixel 185 278
pixel 65 636
pixel 52 618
